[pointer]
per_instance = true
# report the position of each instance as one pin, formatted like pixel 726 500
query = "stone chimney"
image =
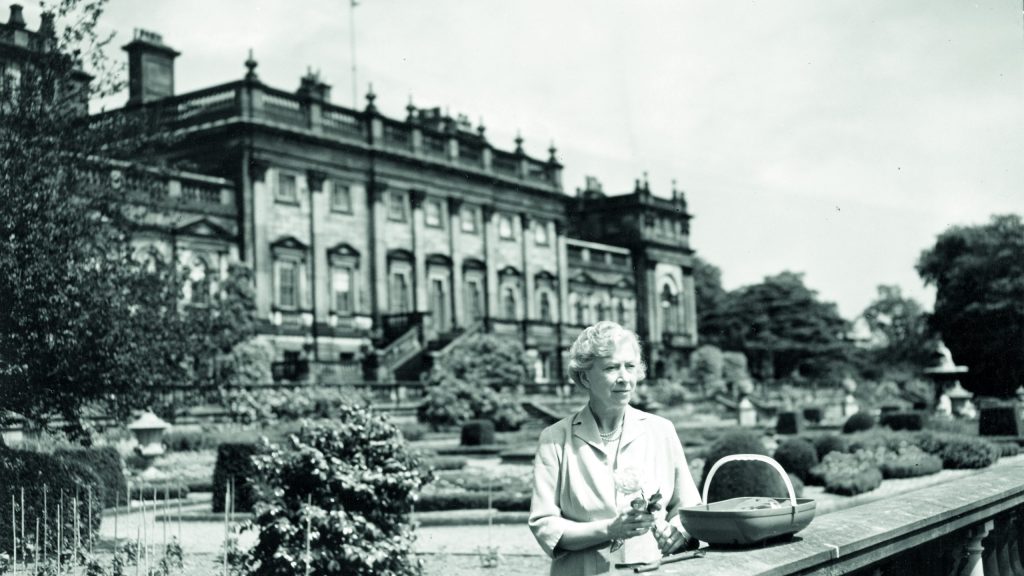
pixel 310 86
pixel 150 68
pixel 17 19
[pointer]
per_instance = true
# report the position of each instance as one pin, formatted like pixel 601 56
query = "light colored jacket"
pixel 573 481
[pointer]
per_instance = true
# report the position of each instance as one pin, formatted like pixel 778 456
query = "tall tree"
pixel 900 325
pixel 710 300
pixel 83 319
pixel 978 274
pixel 783 328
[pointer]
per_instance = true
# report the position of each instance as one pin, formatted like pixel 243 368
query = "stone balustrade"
pixel 971 526
pixel 256 102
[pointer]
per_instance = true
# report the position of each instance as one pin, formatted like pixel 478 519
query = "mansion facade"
pixel 376 241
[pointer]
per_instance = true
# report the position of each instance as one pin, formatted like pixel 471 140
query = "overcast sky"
pixel 835 138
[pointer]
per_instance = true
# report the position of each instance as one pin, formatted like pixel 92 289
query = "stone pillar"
pixel 377 193
pixel 416 198
pixel 491 251
pixel 529 311
pixel 454 232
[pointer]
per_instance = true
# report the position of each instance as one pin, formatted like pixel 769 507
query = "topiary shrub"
pixel 235 466
pixel 353 481
pixel 477 433
pixel 56 481
pixel 910 462
pixel 106 463
pixel 452 402
pixel 858 423
pixel 789 423
pixel 813 414
pixel 830 443
pixel 999 421
pixel 797 457
pixel 1008 449
pixel 904 420
pixel 737 479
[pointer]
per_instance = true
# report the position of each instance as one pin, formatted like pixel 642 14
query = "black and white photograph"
pixel 462 287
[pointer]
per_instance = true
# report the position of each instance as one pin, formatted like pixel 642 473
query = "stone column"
pixel 490 255
pixel 529 307
pixel 416 198
pixel 454 232
pixel 377 193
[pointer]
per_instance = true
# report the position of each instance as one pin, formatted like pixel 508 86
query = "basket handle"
pixel 759 458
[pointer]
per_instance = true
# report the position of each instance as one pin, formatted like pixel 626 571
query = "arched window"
pixel 602 311
pixel 199 281
pixel 399 294
pixel 580 313
pixel 620 312
pixel 669 312
pixel 509 303
pixel 545 307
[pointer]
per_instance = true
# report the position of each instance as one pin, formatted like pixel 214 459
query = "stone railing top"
pixel 849 540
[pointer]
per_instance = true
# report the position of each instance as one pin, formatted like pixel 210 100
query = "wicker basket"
pixel 749 520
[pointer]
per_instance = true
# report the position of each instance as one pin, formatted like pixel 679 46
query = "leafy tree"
pixel 710 295
pixel 706 363
pixel 782 327
pixel 901 326
pixel 84 320
pixel 215 329
pixel 978 273
pixel 464 384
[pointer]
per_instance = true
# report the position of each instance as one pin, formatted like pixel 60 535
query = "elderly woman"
pixel 590 466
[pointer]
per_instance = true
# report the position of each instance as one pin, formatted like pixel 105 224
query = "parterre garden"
pixel 332 485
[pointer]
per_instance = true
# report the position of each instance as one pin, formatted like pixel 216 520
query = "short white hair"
pixel 598 341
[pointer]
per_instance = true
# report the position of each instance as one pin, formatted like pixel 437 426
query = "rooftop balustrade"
pixel 255 102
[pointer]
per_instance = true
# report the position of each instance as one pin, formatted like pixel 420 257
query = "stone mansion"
pixel 376 241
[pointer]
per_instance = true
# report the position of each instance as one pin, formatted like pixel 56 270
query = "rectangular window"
pixel 341 198
pixel 474 302
pixel 396 206
pixel 399 294
pixel 341 285
pixel 287 188
pixel 287 284
pixel 505 230
pixel 468 217
pixel 540 233
pixel 432 213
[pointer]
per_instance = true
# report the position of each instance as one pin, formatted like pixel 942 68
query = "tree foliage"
pixel 782 328
pixel 85 319
pixel 710 302
pixel 978 274
pixel 900 327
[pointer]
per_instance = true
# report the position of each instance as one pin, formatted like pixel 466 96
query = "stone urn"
pixel 149 432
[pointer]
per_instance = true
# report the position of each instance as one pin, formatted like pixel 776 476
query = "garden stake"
pixel 117 503
pixel 46 524
pixel 309 527
pixel 166 499
pixel 89 495
pixel 78 533
pixel 145 528
pixel 227 497
pixel 14 535
pixel 138 548
pixel 179 515
pixel 35 553
pixel 60 529
pixel 24 552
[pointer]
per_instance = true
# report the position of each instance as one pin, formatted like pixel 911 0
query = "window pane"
pixel 287 282
pixel 341 198
pixel 540 233
pixel 396 206
pixel 468 217
pixel 342 284
pixel 505 227
pixel 433 213
pixel 286 188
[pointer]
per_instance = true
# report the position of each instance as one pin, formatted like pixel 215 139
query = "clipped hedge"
pixel 959 451
pixel 830 443
pixel 789 423
pixel 904 420
pixel 468 500
pixel 813 414
pixel 445 462
pixel 848 474
pixel 48 480
pixel 999 421
pixel 797 457
pixel 856 483
pixel 106 462
pixel 741 478
pixel 858 423
pixel 477 433
pixel 910 464
pixel 234 462
pixel 1008 449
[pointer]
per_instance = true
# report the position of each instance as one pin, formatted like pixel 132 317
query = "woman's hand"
pixel 671 539
pixel 630 523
